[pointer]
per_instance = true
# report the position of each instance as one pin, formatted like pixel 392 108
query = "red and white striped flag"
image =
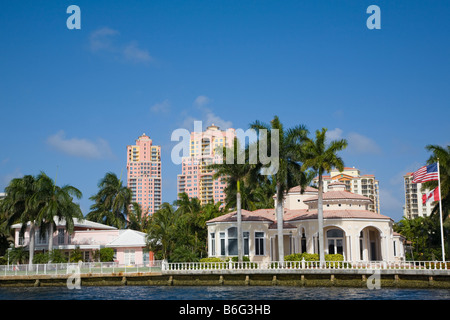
pixel 426 173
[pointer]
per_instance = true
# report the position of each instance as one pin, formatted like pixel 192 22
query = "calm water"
pixel 219 293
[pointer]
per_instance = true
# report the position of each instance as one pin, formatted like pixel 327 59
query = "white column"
pixel 348 248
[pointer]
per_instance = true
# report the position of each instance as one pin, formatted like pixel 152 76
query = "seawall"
pixel 324 278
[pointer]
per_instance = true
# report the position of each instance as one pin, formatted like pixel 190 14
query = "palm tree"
pixel 289 172
pixel 442 155
pixel 18 207
pixel 161 235
pixel 137 219
pixel 322 157
pixel 112 202
pixel 54 201
pixel 234 174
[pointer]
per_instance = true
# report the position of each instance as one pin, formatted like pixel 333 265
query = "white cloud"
pixel 335 134
pixel 105 40
pixel 6 179
pixel 211 118
pixel 102 39
pixel 357 143
pixel 207 116
pixel 82 148
pixel 133 53
pixel 161 107
pixel 201 101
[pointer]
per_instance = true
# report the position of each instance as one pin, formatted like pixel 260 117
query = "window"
pixel 86 256
pixel 246 245
pixel 60 236
pixel 213 244
pixel 40 239
pixel 335 241
pixel 222 243
pixel 232 241
pixel 303 242
pixel 129 257
pixel 146 258
pixel 259 243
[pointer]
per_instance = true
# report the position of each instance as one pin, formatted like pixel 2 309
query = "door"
pixel 373 251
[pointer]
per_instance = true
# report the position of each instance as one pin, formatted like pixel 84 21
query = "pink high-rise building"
pixel 144 173
pixel 195 179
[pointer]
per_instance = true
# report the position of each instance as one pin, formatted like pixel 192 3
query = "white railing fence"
pixel 82 268
pixel 198 267
pixel 304 265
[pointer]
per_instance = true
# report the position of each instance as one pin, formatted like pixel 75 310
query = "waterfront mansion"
pixel 350 228
pixel 88 236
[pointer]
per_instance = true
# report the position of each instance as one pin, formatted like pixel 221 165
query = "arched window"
pixel 232 241
pixel 231 249
pixel 303 241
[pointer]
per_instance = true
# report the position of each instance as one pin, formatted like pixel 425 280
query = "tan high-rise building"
pixel 365 185
pixel 144 173
pixel 195 179
pixel 413 199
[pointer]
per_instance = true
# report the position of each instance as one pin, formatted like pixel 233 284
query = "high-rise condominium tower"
pixel 365 184
pixel 144 173
pixel 414 207
pixel 195 179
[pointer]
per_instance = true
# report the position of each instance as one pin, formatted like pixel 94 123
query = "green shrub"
pixel 333 260
pixel 40 258
pixel 244 259
pixel 212 259
pixel 106 254
pixel 301 256
pixel 76 255
pixel 57 256
pixel 334 257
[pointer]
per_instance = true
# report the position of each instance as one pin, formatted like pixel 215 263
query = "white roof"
pixel 128 238
pixel 82 223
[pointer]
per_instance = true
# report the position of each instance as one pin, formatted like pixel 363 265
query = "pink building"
pixel 195 179
pixel 129 245
pixel 144 173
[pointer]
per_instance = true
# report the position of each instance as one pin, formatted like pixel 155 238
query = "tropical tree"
pixel 322 157
pixel 137 218
pixel 289 173
pixel 441 154
pixel 55 202
pixel 240 170
pixel 18 255
pixel 112 202
pixel 161 235
pixel 18 207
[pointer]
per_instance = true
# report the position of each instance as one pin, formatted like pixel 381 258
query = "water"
pixel 219 293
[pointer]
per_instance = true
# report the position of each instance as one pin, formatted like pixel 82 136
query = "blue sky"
pixel 66 95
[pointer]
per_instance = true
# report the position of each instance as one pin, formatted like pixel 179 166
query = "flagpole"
pixel 440 211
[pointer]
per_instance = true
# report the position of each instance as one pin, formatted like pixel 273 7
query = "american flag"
pixel 426 173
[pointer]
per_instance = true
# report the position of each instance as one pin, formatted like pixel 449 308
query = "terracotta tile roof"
pixel 258 215
pixel 333 195
pixel 286 225
pixel 268 215
pixel 338 214
pixel 298 189
pixel 336 183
